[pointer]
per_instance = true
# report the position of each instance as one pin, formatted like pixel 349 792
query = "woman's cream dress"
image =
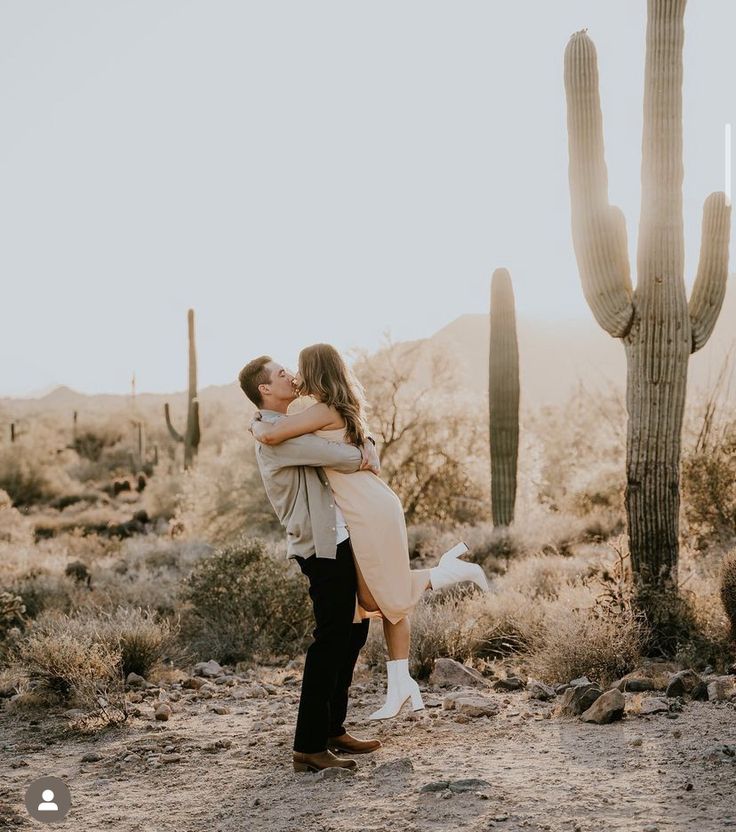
pixel 375 520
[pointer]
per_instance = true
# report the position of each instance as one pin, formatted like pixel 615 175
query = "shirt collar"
pixel 271 415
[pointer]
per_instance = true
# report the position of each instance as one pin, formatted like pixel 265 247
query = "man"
pixel 318 539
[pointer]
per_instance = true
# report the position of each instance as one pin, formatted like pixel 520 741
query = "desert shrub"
pixel 43 591
pixel 593 475
pixel 24 477
pixel 728 589
pixel 163 493
pixel 12 612
pixel 422 537
pixel 15 528
pixel 223 497
pixel 64 658
pixel 141 637
pixel 584 643
pixel 431 449
pixel 90 444
pixel 244 601
pixel 708 484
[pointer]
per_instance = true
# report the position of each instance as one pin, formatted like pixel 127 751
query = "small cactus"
pixel 192 433
pixel 728 590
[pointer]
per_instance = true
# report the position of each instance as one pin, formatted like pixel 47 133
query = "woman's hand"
pixel 256 420
pixel 370 458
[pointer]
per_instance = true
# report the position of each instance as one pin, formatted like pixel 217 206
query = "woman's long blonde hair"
pixel 326 377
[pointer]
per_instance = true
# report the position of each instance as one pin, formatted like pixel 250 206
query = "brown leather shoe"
pixel 320 760
pixel 352 745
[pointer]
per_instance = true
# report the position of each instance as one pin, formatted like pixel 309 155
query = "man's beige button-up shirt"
pixel 299 490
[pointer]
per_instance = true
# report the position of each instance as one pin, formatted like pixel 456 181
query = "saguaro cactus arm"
pixel 175 435
pixel 598 229
pixel 709 288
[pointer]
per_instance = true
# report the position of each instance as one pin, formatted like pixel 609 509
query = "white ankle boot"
pixel 452 570
pixel 400 688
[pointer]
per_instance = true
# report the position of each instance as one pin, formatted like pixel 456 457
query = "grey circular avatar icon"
pixel 48 799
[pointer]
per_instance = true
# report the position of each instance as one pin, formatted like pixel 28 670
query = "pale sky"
pixel 305 171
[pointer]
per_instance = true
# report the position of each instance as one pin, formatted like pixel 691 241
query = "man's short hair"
pixel 253 374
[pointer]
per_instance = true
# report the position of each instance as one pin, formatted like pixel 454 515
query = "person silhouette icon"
pixel 48 805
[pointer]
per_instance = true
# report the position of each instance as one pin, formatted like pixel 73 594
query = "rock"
pixel 448 672
pixel 650 827
pixel 509 683
pixel 700 692
pixel 221 710
pixel 448 703
pixel 133 680
pixel 257 692
pixel 608 707
pixel 581 680
pixel 91 757
pixel 193 683
pixel 470 784
pixel 579 698
pixel 653 705
pixel 538 690
pixel 334 773
pixel 721 753
pixel 634 682
pixel 209 669
pixel 74 713
pixel 475 706
pixel 218 745
pixel 682 683
pixel 438 786
pixel 722 688
pixel 170 758
pixel 402 767
pixel 162 712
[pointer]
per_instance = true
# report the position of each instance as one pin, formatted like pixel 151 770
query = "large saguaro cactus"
pixel 192 433
pixel 503 399
pixel 657 325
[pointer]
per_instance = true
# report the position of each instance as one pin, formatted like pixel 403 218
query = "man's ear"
pixel 264 389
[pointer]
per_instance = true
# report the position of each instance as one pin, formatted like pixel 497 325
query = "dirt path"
pixel 542 773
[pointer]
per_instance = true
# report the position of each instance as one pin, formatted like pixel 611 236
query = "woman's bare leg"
pixel 365 596
pixel 398 638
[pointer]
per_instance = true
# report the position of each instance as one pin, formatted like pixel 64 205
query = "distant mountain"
pixel 554 357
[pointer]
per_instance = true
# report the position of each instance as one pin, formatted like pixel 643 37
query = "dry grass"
pixel 62 658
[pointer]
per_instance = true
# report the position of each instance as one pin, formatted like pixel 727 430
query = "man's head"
pixel 267 384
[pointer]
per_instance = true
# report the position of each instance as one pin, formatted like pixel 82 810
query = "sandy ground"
pixel 541 772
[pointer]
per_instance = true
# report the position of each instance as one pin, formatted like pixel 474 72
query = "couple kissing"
pixel 345 528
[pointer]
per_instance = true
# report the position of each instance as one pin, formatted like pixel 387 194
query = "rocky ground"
pixel 479 757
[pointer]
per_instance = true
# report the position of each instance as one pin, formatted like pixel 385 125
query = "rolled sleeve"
pixel 316 452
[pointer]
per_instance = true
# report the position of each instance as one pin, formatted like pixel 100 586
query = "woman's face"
pixel 298 381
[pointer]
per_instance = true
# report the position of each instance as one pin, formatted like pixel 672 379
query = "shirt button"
pixel 333 528
pixel 332 505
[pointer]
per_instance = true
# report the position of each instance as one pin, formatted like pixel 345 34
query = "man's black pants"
pixel 331 657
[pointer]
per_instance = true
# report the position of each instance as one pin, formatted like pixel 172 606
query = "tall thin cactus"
pixel 503 399
pixel 192 433
pixel 657 325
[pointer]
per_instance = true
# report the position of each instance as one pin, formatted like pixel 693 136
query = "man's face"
pixel 281 386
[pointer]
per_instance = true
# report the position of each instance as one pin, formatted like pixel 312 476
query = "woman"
pixel 374 517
